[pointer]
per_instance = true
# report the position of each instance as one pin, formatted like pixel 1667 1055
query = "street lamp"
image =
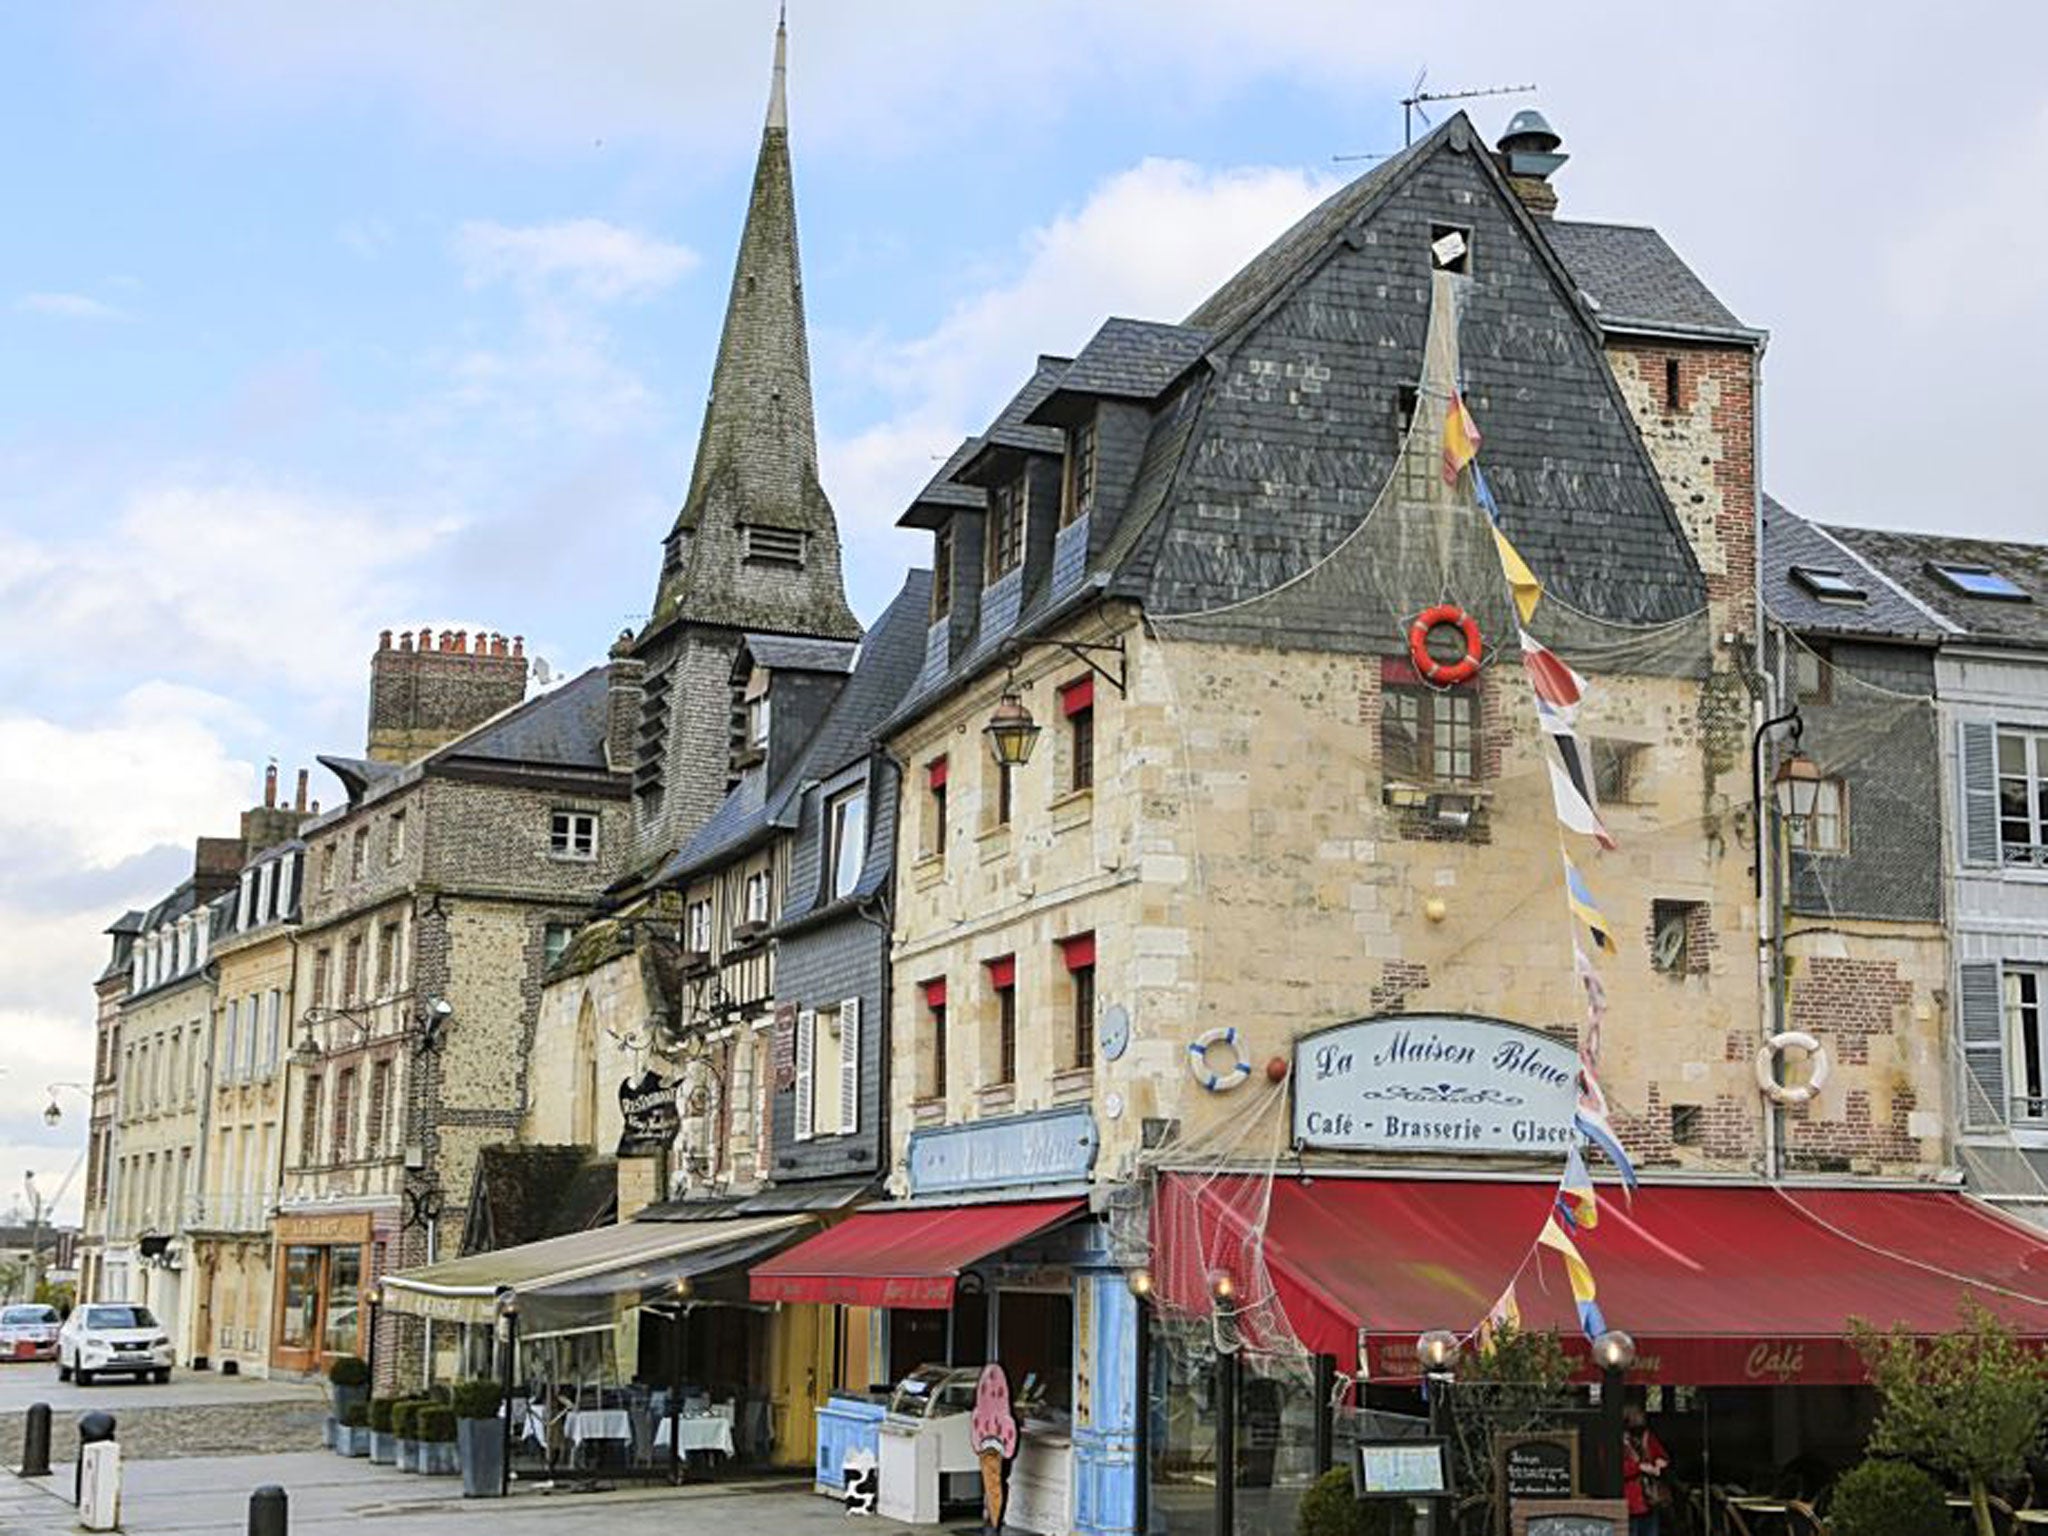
pixel 1011 731
pixel 1614 1352
pixel 1438 1352
pixel 1797 785
pixel 53 1112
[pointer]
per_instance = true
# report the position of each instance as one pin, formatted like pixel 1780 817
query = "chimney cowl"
pixel 1530 153
pixel 1529 129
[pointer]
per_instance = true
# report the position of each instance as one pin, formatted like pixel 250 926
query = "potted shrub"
pixel 352 1434
pixel 1331 1508
pixel 405 1428
pixel 480 1438
pixel 435 1426
pixel 348 1381
pixel 383 1443
pixel 1887 1498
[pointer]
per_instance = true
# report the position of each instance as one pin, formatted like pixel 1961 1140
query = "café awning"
pixel 1719 1285
pixel 903 1258
pixel 601 1269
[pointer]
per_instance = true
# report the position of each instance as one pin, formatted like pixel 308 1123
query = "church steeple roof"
pixel 756 546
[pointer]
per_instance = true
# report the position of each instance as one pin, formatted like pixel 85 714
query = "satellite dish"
pixel 543 674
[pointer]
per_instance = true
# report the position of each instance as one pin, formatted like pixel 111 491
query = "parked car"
pixel 112 1338
pixel 28 1332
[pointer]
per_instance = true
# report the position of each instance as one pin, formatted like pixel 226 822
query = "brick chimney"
pixel 1528 154
pixel 423 696
pixel 625 687
pixel 267 825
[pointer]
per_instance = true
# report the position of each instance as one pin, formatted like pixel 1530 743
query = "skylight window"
pixel 1829 586
pixel 1978 581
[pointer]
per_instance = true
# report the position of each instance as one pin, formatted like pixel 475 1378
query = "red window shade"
pixel 1077 696
pixel 1079 951
pixel 1002 974
pixel 935 773
pixel 935 993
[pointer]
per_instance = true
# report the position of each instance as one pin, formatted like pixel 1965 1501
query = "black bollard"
pixel 35 1441
pixel 92 1428
pixel 269 1511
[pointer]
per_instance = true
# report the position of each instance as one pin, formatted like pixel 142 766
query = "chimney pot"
pixel 316 807
pixel 447 639
pixel 519 645
pixel 299 799
pixel 383 639
pixel 405 639
pixel 270 788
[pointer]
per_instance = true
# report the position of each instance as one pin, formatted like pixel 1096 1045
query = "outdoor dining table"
pixel 697 1432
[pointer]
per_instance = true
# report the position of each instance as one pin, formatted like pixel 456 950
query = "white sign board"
pixel 1426 1082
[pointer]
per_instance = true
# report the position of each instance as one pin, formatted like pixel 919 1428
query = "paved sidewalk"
pixel 211 1494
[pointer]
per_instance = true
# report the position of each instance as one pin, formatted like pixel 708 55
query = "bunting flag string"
pixel 1584 1293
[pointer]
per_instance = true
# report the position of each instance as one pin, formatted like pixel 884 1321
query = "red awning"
pixel 1719 1285
pixel 902 1258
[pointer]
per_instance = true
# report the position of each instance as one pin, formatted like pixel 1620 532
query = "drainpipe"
pixel 1771 903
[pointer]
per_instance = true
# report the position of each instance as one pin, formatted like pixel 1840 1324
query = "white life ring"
pixel 1789 1093
pixel 1209 1077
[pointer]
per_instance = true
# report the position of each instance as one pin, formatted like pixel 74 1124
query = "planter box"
pixel 329 1428
pixel 480 1445
pixel 341 1397
pixel 408 1455
pixel 437 1458
pixel 352 1441
pixel 383 1448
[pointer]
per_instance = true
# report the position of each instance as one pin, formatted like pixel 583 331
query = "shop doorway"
pixel 319 1306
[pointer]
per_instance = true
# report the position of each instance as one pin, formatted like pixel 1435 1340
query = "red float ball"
pixel 1276 1070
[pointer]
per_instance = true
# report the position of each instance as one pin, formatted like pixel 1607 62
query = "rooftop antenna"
pixel 1412 105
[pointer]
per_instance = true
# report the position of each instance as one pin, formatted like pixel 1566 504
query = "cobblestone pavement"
pixel 190 1429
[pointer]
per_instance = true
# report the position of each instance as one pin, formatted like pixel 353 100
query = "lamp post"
pixel 35 1233
pixel 1222 1294
pixel 1614 1352
pixel 373 1298
pixel 508 1346
pixel 1437 1350
pixel 1795 792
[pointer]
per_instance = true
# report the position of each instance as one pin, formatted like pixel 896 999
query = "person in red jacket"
pixel 1643 1464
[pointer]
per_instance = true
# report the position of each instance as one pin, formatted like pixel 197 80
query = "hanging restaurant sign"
pixel 652 1118
pixel 1429 1082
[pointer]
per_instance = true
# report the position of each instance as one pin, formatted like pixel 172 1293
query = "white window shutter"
pixel 1978 755
pixel 849 1066
pixel 1981 998
pixel 806 1058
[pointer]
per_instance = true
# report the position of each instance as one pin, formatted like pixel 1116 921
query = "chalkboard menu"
pixel 1538 1466
pixel 1572 1517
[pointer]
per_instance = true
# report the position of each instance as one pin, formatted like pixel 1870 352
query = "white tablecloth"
pixel 599 1424
pixel 700 1432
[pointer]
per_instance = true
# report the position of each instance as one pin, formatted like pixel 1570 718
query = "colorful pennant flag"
pixel 1571 791
pixel 1555 1238
pixel 1461 438
pixel 1504 1315
pixel 1592 1124
pixel 1576 1200
pixel 1586 909
pixel 1483 494
pixel 1556 684
pixel 1521 580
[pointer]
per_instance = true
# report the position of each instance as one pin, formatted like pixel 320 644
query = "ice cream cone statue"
pixel 995 1442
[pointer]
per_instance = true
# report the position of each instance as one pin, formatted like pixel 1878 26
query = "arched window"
pixel 583 1083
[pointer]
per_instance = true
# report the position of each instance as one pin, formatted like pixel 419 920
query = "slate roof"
pixel 565 727
pixel 796 653
pixel 1632 275
pixel 888 663
pixel 1012 429
pixel 358 776
pixel 1790 540
pixel 525 1194
pixel 942 495
pixel 1905 558
pixel 1128 360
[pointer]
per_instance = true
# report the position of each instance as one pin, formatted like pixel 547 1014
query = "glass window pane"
pixel 344 1283
pixel 2012 753
pixel 301 1297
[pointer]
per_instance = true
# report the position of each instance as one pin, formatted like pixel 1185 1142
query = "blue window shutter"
pixel 1982 1008
pixel 1979 757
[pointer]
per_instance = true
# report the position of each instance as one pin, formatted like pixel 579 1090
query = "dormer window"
pixel 1828 585
pixel 942 572
pixel 1006 505
pixel 774 546
pixel 1080 481
pixel 846 825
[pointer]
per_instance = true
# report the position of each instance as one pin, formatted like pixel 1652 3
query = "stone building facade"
pixel 95 1281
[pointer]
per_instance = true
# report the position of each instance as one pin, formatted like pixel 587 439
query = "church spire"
pixel 756 546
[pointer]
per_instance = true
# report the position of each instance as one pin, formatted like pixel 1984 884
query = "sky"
pixel 320 319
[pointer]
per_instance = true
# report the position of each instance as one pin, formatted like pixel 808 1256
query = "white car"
pixel 106 1338
pixel 28 1332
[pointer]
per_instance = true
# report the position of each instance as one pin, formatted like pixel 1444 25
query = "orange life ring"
pixel 1444 674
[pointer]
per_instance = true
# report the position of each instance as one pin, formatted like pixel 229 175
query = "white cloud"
pixel 597 260
pixel 1149 242
pixel 67 306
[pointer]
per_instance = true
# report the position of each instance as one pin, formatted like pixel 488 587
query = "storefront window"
pixel 1276 1440
pixel 301 1297
pixel 344 1284
pixel 1035 1343
pixel 1181 1437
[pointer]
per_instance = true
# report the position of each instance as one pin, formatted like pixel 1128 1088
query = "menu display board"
pixel 1571 1517
pixel 1538 1466
pixel 1402 1469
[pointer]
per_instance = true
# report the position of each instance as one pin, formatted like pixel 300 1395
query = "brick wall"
pixel 425 693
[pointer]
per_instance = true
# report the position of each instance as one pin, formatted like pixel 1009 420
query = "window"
pixel 846 822
pixel 1006 507
pixel 773 546
pixel 244 900
pixel 554 943
pixel 1000 791
pixel 572 835
pixel 1416 449
pixel 1077 704
pixel 1079 954
pixel 2023 796
pixel 1618 769
pixel 2027 1049
pixel 266 892
pixel 697 927
pixel 759 889
pixel 827 1058
pixel 942 572
pixel 1827 829
pixel 1812 674
pixel 359 853
pixel 935 1027
pixel 1450 248
pixel 394 840
pixel 935 807
pixel 309 1120
pixel 1427 736
pixel 387 959
pixel 252 1038
pixel 231 1031
pixel 273 1031
pixel 323 962
pixel 1688 1125
pixel 1002 979
pixel 327 868
pixel 1672 399
pixel 352 970
pixel 1977 581
pixel 1080 473
pixel 377 1129
pixel 1679 937
pixel 344 1113
pixel 1827 585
